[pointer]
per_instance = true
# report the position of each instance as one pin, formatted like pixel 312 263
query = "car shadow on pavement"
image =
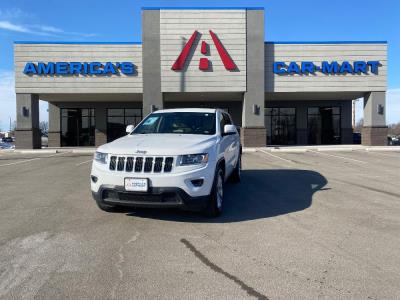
pixel 260 194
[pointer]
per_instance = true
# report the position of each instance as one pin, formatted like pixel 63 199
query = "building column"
pixel 27 133
pixel 152 95
pixel 54 125
pixel 253 132
pixel 374 132
pixel 100 133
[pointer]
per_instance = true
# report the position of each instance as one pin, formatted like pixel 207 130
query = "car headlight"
pixel 100 157
pixel 193 159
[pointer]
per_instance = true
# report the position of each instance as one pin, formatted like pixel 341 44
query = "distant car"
pixel 7 139
pixel 394 140
pixel 45 141
pixel 6 146
pixel 356 137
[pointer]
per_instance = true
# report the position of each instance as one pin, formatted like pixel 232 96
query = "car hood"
pixel 160 144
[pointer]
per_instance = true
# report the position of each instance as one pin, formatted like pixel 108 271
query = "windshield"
pixel 178 122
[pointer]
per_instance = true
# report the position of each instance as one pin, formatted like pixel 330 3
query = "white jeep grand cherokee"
pixel 173 158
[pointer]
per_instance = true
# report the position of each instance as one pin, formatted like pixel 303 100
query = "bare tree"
pixel 359 125
pixel 394 129
pixel 44 127
pixel 13 128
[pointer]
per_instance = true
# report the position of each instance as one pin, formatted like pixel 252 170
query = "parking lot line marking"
pixel 338 156
pixel 367 187
pixel 383 154
pixel 84 162
pixel 276 156
pixel 28 160
pixel 20 162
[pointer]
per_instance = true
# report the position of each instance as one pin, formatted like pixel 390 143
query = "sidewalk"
pixel 322 148
pixel 282 149
pixel 52 150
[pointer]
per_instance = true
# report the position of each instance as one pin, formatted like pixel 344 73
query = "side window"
pixel 227 119
pixel 222 123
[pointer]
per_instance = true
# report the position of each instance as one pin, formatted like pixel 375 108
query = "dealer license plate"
pixel 136 184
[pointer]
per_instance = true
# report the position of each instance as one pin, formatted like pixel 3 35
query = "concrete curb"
pixel 384 148
pixel 83 151
pixel 304 149
pixel 50 151
pixel 287 150
pixel 6 150
pixel 35 151
pixel 334 149
pixel 294 149
pixel 249 150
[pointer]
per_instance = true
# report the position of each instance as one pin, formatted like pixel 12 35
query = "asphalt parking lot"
pixel 299 226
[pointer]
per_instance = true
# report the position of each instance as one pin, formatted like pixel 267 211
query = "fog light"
pixel 94 178
pixel 197 182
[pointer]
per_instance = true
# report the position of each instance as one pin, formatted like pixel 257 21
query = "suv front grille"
pixel 140 164
pixel 158 165
pixel 121 163
pixel 112 163
pixel 148 165
pixel 168 164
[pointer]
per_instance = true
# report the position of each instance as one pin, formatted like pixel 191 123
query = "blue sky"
pixel 102 20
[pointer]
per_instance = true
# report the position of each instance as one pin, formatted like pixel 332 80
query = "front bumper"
pixel 155 197
pixel 174 179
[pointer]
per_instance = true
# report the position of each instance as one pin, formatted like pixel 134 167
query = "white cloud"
pixel 13 27
pixel 60 32
pixel 392 106
pixel 51 29
pixel 38 29
pixel 7 100
pixel 14 13
pixel 10 20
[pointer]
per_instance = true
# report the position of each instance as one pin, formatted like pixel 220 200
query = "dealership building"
pixel 279 93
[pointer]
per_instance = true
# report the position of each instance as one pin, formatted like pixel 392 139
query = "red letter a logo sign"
pixel 204 63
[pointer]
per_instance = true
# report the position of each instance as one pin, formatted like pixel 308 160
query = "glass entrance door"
pixel 323 125
pixel 280 125
pixel 77 127
pixel 119 118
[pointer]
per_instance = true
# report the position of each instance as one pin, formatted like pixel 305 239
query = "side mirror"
pixel 229 129
pixel 129 129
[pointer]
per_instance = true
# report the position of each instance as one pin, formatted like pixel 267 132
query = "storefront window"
pixel 77 127
pixel 119 118
pixel 280 125
pixel 323 125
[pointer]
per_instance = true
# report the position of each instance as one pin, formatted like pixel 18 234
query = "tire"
pixel 214 206
pixel 106 207
pixel 235 176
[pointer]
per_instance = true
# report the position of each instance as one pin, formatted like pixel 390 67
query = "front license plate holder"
pixel 136 184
